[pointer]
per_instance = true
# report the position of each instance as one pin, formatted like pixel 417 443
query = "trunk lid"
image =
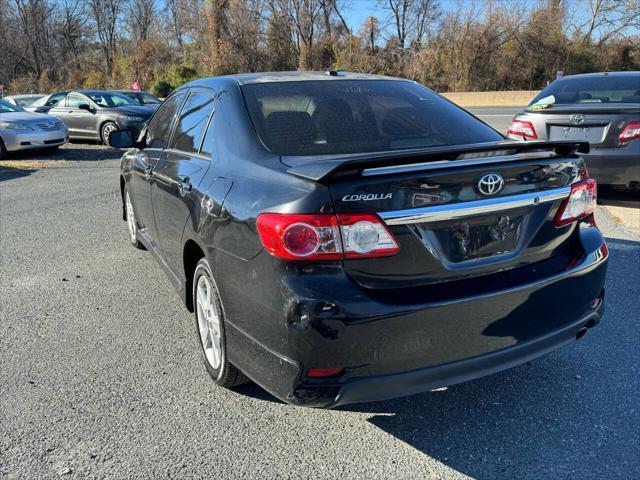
pixel 597 123
pixel 448 219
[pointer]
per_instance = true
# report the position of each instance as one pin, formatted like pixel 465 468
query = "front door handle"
pixel 184 186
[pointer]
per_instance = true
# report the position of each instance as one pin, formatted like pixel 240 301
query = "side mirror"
pixel 121 139
pixel 84 106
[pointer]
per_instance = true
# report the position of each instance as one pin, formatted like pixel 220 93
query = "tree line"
pixel 457 45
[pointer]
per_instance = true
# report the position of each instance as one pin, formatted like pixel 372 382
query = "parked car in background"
pixel 94 114
pixel 600 108
pixel 143 98
pixel 24 100
pixel 21 130
pixel 345 238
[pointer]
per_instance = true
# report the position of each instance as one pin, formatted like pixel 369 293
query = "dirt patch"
pixel 28 164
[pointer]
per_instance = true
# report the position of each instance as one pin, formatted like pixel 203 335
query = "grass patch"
pixel 28 164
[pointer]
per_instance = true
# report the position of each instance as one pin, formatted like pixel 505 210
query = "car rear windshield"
pixel 600 89
pixel 354 116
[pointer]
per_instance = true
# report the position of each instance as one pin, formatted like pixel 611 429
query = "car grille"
pixel 49 126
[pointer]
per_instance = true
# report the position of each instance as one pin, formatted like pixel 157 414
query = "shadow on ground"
pixel 550 418
pixel 71 152
pixel 11 173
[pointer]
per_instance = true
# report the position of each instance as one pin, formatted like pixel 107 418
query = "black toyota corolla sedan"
pixel 345 237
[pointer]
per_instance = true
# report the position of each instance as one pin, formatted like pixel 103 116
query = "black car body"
pixel 600 108
pixel 94 114
pixel 365 238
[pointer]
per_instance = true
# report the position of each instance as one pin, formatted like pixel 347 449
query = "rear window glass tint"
pixel 354 116
pixel 599 89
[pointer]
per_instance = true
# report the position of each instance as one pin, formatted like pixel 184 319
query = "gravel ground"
pixel 100 376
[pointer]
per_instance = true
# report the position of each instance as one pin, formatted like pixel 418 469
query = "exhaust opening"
pixel 581 333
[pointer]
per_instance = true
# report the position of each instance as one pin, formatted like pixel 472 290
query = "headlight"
pixel 131 118
pixel 15 126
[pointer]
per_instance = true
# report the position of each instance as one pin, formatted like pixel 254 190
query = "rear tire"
pixel 210 331
pixel 132 223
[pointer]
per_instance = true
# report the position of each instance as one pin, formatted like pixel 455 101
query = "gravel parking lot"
pixel 100 376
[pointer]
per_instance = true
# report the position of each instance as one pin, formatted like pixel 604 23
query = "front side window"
pixel 74 101
pixel 355 116
pixel 160 125
pixel 192 122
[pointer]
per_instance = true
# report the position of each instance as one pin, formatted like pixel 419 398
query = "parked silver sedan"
pixel 24 100
pixel 21 130
pixel 601 108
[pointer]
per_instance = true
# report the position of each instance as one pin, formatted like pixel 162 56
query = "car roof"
pixel 602 74
pixel 272 77
pixel 26 95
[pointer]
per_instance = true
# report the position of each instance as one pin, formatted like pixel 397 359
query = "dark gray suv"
pixel 601 108
pixel 94 114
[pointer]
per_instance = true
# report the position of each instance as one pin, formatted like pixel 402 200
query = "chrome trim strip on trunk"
pixel 477 160
pixel 452 211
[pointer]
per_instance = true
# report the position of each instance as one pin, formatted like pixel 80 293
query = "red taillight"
pixel 522 129
pixel 324 372
pixel 631 131
pixel 325 237
pixel 580 203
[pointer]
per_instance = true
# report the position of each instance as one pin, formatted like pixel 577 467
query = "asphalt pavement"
pixel 498 117
pixel 100 376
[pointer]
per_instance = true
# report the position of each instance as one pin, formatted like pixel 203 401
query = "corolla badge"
pixel 576 119
pixel 366 197
pixel 490 184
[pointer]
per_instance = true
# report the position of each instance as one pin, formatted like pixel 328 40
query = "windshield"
pixel 26 101
pixel 353 116
pixel 598 89
pixel 107 99
pixel 6 107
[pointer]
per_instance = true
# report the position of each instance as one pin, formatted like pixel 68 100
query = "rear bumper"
pixel 384 387
pixel 404 343
pixel 615 166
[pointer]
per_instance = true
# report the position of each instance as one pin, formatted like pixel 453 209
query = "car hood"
pixel 28 117
pixel 138 111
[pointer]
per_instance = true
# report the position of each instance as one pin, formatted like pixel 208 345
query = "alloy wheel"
pixel 208 323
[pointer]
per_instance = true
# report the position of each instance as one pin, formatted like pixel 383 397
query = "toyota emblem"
pixel 490 184
pixel 576 119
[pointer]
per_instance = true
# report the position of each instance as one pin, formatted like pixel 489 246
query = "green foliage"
pixel 161 88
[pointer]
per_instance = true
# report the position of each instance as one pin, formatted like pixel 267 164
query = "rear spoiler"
pixel 317 168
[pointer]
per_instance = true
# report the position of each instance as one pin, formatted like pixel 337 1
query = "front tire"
pixel 132 223
pixel 106 130
pixel 3 150
pixel 209 316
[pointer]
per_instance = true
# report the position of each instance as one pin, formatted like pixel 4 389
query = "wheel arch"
pixel 122 184
pixel 191 255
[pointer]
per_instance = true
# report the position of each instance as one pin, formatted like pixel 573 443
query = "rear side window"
pixel 353 116
pixel 597 89
pixel 192 122
pixel 160 125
